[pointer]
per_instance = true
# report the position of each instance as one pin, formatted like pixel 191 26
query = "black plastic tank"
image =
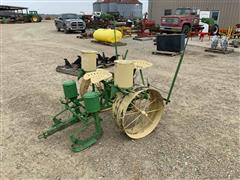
pixel 170 42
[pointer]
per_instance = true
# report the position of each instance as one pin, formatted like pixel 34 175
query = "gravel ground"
pixel 198 136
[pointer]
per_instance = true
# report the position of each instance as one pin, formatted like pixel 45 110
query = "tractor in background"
pixel 12 14
pixel 32 16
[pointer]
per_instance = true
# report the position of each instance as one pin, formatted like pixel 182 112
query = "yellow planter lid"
pixel 88 52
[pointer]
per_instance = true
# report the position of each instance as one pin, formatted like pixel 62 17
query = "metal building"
pixel 225 12
pixel 12 11
pixel 126 8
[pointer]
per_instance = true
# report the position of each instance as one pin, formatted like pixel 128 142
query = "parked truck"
pixel 181 21
pixel 186 19
pixel 70 23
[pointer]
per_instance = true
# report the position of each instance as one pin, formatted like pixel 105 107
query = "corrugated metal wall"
pixel 229 9
pixel 130 10
pixel 113 7
pixel 96 7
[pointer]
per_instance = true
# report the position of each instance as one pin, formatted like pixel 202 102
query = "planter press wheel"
pixel 138 113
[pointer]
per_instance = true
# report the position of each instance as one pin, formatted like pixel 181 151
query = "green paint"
pixel 176 73
pixel 70 89
pixel 84 110
pixel 141 73
pixel 91 101
pixel 125 55
pixel 115 39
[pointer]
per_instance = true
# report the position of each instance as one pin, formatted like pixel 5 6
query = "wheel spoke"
pixel 149 104
pixel 153 110
pixel 136 107
pixel 133 121
pixel 140 122
pixel 132 113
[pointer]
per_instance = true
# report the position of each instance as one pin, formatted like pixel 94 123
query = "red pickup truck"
pixel 182 21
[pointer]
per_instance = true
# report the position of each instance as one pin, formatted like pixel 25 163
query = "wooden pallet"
pixel 64 70
pixel 143 38
pixel 221 51
pixel 167 53
pixel 109 44
pixel 83 37
pixel 235 45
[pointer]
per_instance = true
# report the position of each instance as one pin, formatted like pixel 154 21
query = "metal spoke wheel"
pixel 138 113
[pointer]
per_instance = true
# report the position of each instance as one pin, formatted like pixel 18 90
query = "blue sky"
pixel 59 6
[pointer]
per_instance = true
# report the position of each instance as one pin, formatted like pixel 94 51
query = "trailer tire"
pixel 214 29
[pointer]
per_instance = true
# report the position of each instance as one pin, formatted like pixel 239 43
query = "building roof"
pixel 6 8
pixel 119 1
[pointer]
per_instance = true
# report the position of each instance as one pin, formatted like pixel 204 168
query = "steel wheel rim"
pixel 116 108
pixel 137 121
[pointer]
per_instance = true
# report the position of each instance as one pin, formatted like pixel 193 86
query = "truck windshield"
pixel 183 11
pixel 70 16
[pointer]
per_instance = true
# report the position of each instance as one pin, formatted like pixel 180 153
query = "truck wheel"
pixel 66 31
pixel 186 29
pixel 58 29
pixel 83 31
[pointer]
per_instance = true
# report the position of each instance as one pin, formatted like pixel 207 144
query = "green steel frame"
pixel 77 107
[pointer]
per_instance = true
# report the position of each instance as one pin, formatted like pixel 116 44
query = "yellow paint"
pixel 123 73
pixel 89 60
pixel 107 35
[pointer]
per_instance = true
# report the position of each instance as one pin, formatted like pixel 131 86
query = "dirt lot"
pixel 198 136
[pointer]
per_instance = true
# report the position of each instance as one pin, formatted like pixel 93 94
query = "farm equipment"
pixel 145 27
pixel 102 61
pixel 103 20
pixel 223 41
pixel 32 16
pixel 136 106
pixel 232 32
pixel 213 27
pixel 107 35
pixel 19 14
